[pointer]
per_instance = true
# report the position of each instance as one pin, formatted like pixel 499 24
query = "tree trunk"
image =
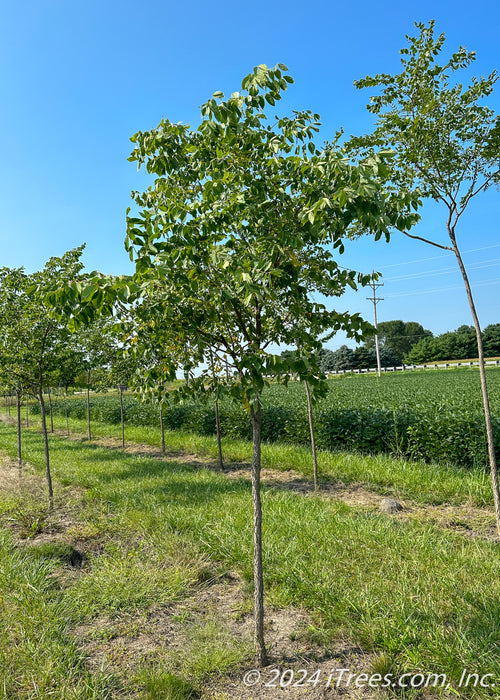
pixel 219 441
pixel 162 430
pixel 89 433
pixel 19 446
pixel 121 417
pixel 51 411
pixel 260 647
pixel 217 421
pixel 484 387
pixel 67 418
pixel 46 448
pixel 313 441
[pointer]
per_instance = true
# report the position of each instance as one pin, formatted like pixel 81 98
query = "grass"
pixel 167 686
pixel 412 594
pixel 38 659
pixel 412 479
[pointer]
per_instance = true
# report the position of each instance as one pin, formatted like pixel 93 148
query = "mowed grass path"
pixel 428 599
pixel 412 479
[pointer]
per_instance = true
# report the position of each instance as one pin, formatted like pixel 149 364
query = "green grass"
pixel 38 658
pixel 418 596
pixel 432 483
pixel 167 686
pixel 436 416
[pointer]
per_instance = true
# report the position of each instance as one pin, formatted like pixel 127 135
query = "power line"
pixel 444 255
pixel 484 283
pixel 444 271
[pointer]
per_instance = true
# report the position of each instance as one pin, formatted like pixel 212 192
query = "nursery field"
pixel 435 416
pixel 138 584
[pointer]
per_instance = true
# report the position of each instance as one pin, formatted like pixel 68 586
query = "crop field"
pixel 434 416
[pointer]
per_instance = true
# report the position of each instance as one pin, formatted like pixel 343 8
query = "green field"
pixel 139 583
pixel 166 543
pixel 435 416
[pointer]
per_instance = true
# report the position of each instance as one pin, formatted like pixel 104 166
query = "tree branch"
pixel 426 240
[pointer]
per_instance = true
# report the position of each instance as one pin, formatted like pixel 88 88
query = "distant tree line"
pixel 455 345
pixel 410 343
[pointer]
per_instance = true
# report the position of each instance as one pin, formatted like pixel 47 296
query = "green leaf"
pixel 88 292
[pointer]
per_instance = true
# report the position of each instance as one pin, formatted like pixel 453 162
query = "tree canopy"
pixel 446 140
pixel 398 337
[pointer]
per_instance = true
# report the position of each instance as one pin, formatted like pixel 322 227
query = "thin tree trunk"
pixel 8 405
pixel 313 441
pixel 219 441
pixel 67 418
pixel 89 432
pixel 27 413
pixel 19 445
pixel 260 647
pixel 217 421
pixel 46 448
pixel 162 430
pixel 51 411
pixel 484 387
pixel 121 417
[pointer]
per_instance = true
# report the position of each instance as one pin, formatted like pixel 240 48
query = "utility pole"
pixel 374 299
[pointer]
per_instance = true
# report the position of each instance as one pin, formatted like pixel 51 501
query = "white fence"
pixel 407 368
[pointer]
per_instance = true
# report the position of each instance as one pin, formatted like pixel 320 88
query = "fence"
pixel 407 368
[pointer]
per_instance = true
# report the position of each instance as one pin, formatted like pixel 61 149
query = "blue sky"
pixel 79 78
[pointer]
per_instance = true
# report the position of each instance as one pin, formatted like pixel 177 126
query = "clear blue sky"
pixel 79 78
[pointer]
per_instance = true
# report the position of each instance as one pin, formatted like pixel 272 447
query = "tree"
pixel 330 360
pixel 363 358
pixel 100 358
pixel 11 384
pixel 491 340
pixel 32 342
pixel 446 143
pixel 325 360
pixel 230 240
pixel 399 337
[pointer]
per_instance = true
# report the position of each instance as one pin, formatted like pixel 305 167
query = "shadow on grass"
pixel 146 476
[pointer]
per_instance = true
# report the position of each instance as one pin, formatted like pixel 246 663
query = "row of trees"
pixel 460 344
pixel 409 343
pixel 235 242
pixel 346 358
pixel 40 357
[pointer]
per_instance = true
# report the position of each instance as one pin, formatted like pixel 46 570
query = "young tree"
pixel 32 343
pixel 446 143
pixel 103 359
pixel 230 239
